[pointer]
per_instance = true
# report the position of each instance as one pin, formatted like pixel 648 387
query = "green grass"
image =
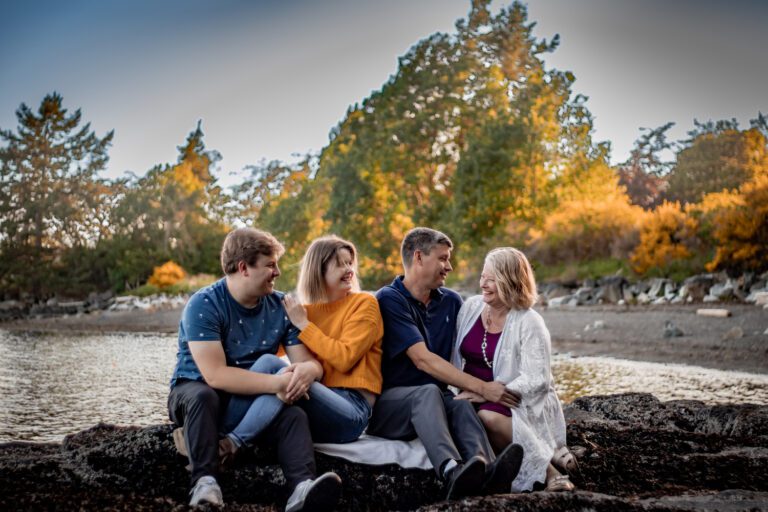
pixel 577 271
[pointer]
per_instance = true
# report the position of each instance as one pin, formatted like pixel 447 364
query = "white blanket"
pixel 378 451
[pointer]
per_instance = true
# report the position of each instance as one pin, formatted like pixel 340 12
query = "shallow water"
pixel 54 385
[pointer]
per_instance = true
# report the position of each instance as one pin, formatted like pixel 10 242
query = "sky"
pixel 270 79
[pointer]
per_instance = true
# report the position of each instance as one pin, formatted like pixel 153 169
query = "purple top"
pixel 471 351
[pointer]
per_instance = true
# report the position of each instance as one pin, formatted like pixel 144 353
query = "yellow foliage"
pixel 585 229
pixel 741 228
pixel 667 235
pixel 594 219
pixel 167 274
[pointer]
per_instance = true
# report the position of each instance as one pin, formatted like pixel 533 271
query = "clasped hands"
pixel 494 391
pixel 295 381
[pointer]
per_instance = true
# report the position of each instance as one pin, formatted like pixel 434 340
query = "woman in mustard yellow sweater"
pixel 343 328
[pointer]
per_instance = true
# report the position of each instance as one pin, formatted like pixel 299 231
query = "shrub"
pixel 586 229
pixel 741 229
pixel 166 275
pixel 667 237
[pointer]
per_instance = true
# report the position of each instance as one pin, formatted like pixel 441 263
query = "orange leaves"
pixel 167 274
pixel 668 235
pixel 741 229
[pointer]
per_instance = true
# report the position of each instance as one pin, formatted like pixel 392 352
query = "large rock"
pixel 635 453
pixel 611 289
pixel 697 287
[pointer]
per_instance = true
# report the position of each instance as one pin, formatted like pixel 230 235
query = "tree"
pixel 741 229
pixel 643 174
pixel 467 137
pixel 719 157
pixel 171 213
pixel 50 196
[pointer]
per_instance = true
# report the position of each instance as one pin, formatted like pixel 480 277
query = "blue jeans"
pixel 336 415
pixel 248 415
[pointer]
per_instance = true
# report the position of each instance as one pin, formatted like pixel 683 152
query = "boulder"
pixel 634 453
pixel 611 289
pixel 697 286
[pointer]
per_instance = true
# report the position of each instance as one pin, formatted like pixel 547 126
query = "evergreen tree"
pixel 51 194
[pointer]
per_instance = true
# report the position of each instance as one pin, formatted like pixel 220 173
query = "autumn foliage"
pixel 473 135
pixel 167 274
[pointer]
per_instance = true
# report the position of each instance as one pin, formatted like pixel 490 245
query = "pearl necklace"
pixel 484 345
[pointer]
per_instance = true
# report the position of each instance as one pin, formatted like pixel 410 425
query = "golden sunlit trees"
pixel 466 137
pixel 172 212
pixel 741 229
pixel 667 239
pixel 719 157
pixel 594 219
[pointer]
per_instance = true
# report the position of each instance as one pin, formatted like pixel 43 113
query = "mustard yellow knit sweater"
pixel 345 336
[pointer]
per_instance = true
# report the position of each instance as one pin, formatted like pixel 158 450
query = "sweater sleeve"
pixel 362 328
pixel 534 358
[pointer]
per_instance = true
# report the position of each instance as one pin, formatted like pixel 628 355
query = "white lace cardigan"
pixel 522 362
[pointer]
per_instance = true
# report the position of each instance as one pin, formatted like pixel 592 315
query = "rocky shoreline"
pixel 704 288
pixel 635 453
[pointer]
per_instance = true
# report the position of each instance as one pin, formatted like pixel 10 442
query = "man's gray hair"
pixel 424 240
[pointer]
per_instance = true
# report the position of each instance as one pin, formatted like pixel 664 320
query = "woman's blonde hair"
pixel 515 282
pixel 321 252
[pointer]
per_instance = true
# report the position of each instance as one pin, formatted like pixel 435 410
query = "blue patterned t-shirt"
pixel 245 333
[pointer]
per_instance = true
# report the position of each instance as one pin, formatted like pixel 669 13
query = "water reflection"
pixel 53 385
pixel 575 377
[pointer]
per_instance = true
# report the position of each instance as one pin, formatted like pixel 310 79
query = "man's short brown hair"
pixel 246 244
pixel 424 240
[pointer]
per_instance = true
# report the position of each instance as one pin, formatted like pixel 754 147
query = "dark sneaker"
pixel 466 479
pixel 316 495
pixel 503 470
pixel 206 490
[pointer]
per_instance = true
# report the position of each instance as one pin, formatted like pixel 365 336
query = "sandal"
pixel 565 461
pixel 560 483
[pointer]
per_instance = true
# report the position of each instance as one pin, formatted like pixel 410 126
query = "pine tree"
pixel 51 193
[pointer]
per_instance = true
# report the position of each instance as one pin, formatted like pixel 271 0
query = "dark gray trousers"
pixel 448 428
pixel 199 409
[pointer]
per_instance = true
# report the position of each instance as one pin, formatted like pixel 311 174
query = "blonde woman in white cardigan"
pixel 501 338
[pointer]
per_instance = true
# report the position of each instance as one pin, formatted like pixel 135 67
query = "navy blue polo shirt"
pixel 213 315
pixel 408 321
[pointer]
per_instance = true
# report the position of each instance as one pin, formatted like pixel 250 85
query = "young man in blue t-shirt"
pixel 226 366
pixel 419 323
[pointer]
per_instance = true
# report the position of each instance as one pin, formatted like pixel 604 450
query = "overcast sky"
pixel 269 79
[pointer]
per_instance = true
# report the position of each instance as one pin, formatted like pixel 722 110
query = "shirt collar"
pixel 435 295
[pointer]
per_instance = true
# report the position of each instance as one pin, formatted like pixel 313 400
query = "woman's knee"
pixel 268 363
pixel 495 422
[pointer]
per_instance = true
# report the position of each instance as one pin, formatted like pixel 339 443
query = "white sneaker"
pixel 206 490
pixel 319 494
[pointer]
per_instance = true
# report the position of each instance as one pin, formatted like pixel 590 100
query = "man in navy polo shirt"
pixel 227 375
pixel 419 323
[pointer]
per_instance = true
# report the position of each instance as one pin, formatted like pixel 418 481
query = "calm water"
pixel 54 385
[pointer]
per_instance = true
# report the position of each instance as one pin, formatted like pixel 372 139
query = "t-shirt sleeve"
pixel 400 328
pixel 291 332
pixel 201 320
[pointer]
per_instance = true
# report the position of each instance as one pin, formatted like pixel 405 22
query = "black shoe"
pixel 503 470
pixel 466 479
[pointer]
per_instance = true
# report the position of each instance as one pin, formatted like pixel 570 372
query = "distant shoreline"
pixel 736 343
